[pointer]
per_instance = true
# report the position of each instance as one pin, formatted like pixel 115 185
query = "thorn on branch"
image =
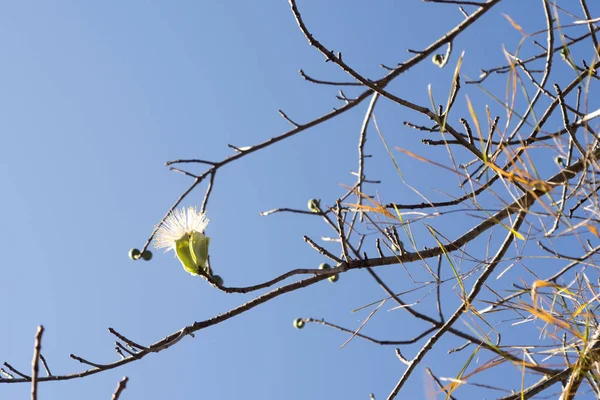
pixel 190 161
pixel 292 210
pixel 459 348
pixel 330 55
pixel 126 340
pixel 443 142
pixel 239 149
pixel 320 82
pixel 120 353
pixel 321 250
pixel 84 361
pixel 125 349
pixel 45 365
pixel 378 246
pixel 288 119
pixel 540 45
pixel 434 128
pixel 467 129
pixel 402 358
pixel 186 173
pixel 17 372
pixel 342 96
pixel 6 374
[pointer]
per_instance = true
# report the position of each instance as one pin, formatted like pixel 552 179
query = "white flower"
pixel 178 224
pixel 183 232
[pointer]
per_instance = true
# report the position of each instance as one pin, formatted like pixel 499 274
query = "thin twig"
pixel 322 250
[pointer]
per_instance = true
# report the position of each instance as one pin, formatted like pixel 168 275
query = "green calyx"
pixel 438 59
pixel 332 278
pixel 314 205
pixel 398 248
pixel 134 254
pixel 192 251
pixel 218 280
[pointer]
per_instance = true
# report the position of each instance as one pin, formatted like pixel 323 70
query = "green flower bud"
pixel 565 54
pixel 314 205
pixel 398 248
pixel 438 59
pixel 324 266
pixel 299 323
pixel 218 280
pixel 147 255
pixel 334 278
pixel 182 231
pixel 134 254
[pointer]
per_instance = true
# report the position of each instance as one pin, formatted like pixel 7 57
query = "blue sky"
pixel 97 96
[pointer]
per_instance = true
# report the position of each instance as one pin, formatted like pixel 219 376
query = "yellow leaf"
pixel 514 24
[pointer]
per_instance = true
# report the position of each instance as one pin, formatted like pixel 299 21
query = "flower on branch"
pixel 183 232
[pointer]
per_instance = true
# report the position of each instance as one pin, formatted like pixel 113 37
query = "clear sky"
pixel 97 96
